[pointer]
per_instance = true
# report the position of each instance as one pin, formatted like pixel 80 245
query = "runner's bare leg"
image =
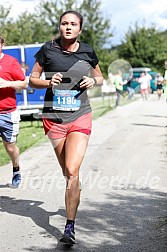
pixel 70 153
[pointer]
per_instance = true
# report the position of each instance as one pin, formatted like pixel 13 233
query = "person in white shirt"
pixel 149 78
pixel 144 86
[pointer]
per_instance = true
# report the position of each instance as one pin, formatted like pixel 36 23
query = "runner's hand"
pixel 87 82
pixel 3 83
pixel 56 79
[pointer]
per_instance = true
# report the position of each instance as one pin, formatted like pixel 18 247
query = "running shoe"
pixel 68 237
pixel 16 180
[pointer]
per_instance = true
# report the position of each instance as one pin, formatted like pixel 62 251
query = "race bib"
pixel 66 100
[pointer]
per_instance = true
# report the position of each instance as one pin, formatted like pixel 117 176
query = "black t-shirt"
pixel 67 101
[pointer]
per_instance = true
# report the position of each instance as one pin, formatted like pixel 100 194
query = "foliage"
pixel 141 46
pixel 30 134
pixel 144 47
pixel 96 32
pixel 5 23
pixel 107 56
pixel 95 27
pixel 51 11
pixel 43 25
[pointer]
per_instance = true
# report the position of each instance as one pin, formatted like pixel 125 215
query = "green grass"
pixel 31 133
pixel 100 107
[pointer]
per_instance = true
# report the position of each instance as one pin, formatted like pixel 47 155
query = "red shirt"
pixel 10 70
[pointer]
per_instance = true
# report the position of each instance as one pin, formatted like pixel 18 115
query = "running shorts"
pixel 144 90
pixel 9 126
pixel 56 131
pixel 159 86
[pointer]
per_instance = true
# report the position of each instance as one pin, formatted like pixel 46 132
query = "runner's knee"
pixel 72 180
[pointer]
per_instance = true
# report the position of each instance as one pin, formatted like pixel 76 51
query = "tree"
pixel 43 25
pixel 144 47
pixel 6 24
pixel 51 11
pixel 95 30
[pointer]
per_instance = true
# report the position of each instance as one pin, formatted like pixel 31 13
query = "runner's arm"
pixel 35 80
pixel 96 74
pixel 18 84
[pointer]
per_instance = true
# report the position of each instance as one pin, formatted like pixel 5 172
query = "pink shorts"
pixel 144 90
pixel 55 130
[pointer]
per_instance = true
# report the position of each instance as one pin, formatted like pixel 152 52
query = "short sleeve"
pixel 17 73
pixel 89 51
pixel 94 59
pixel 40 56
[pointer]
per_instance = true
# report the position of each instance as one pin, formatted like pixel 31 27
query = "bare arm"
pixel 95 80
pixel 35 81
pixel 97 75
pixel 18 84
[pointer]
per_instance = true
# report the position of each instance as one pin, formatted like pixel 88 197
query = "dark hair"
pixel 2 41
pixel 75 13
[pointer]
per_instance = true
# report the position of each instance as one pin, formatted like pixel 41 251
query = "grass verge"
pixel 30 133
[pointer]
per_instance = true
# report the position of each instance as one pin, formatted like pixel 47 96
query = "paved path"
pixel 123 200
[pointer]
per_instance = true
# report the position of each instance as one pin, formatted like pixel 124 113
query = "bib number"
pixel 65 100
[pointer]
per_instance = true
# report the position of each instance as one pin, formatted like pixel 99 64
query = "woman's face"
pixel 70 26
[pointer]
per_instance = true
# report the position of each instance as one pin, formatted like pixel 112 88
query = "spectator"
pixel 144 86
pixel 149 78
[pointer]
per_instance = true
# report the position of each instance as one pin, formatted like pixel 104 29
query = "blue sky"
pixel 122 13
